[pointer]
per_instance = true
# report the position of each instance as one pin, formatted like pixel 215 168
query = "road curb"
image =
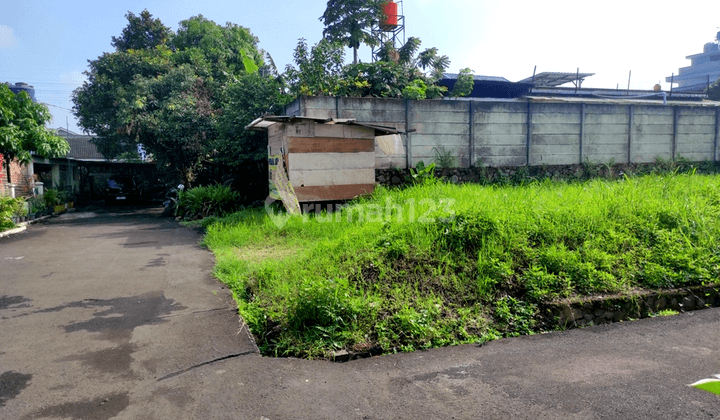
pixel 12 231
pixel 22 226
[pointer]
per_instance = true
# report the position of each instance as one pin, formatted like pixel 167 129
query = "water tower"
pixel 391 27
pixel 22 87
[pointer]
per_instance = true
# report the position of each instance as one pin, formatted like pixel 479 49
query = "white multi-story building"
pixel 704 69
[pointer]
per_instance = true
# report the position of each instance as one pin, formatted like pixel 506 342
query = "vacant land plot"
pixel 439 264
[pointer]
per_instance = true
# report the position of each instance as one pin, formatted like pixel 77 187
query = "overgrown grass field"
pixel 440 264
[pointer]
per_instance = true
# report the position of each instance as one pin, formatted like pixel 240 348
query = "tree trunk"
pixel 354 55
pixel 7 166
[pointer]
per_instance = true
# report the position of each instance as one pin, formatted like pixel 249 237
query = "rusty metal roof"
pixel 263 123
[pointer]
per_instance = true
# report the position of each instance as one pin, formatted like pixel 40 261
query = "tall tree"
pixel 23 131
pixel 250 97
pixel 350 21
pixel 142 33
pixel 319 69
pixel 166 96
pixel 229 49
pixel 102 102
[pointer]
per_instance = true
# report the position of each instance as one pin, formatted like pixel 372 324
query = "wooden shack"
pixel 326 159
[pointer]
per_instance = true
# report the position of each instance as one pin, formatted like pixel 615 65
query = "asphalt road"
pixel 114 314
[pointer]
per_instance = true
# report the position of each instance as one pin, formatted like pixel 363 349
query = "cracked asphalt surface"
pixel 114 313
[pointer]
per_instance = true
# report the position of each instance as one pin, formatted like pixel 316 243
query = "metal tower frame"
pixel 397 35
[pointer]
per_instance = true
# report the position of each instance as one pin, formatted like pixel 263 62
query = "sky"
pixel 47 43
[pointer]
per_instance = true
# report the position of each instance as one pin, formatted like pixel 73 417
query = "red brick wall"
pixel 18 176
pixel 3 177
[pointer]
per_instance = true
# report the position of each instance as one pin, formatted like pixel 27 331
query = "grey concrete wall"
pixel 440 127
pixel 695 134
pixel 606 132
pixel 554 134
pixel 500 133
pixel 385 112
pixel 531 131
pixel 652 133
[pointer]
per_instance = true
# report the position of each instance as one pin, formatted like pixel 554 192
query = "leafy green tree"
pixel 168 95
pixel 416 90
pixel 401 72
pixel 243 153
pixel 464 84
pixel 349 22
pixel 428 61
pixel 230 49
pixel 101 104
pixel 173 116
pixel 319 70
pixel 143 32
pixel 250 97
pixel 23 131
pixel 380 79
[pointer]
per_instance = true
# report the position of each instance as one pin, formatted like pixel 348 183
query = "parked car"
pixel 122 189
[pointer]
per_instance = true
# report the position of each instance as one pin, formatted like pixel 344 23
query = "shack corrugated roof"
pixel 263 123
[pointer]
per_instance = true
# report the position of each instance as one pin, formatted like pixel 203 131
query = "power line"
pixel 55 106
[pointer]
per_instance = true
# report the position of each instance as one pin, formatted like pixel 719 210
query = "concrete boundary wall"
pixel 532 131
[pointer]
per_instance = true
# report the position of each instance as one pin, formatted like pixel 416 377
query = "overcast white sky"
pixel 47 43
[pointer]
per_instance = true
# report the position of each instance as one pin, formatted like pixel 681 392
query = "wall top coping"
pixel 653 100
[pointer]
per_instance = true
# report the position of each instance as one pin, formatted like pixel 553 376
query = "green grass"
pixel 440 264
pixel 667 312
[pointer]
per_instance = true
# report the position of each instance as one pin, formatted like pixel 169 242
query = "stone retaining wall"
pixel 520 174
pixel 603 310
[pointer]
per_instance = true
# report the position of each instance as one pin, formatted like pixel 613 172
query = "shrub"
pixel 422 172
pixel 415 90
pixel 445 158
pixel 10 207
pixel 63 197
pixel 51 197
pixel 200 202
pixel 37 204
